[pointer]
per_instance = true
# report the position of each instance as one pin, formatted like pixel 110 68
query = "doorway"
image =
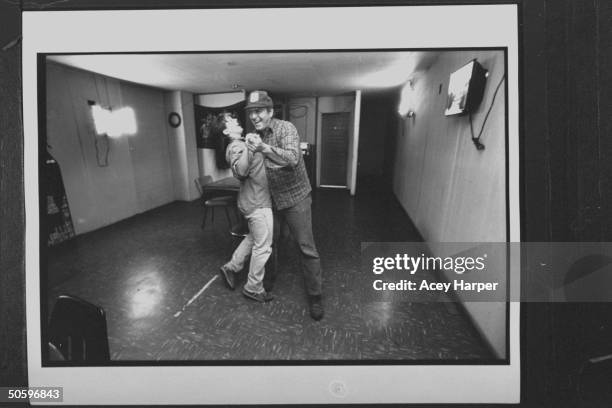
pixel 334 149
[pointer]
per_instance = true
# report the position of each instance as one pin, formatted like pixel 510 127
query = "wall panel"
pixel 107 179
pixel 452 191
pixel 149 147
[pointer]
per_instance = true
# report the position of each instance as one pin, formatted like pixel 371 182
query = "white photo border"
pixel 191 30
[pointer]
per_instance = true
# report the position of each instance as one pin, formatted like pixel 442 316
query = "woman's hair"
pixel 217 125
pixel 220 140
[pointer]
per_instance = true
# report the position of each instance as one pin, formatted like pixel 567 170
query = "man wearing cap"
pixel 279 142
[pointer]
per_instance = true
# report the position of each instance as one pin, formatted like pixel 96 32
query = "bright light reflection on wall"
pixel 125 120
pixel 114 123
pixel 406 102
pixel 102 119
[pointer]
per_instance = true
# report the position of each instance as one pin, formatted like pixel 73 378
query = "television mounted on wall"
pixel 465 89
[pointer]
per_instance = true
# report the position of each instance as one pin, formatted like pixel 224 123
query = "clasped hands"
pixel 254 142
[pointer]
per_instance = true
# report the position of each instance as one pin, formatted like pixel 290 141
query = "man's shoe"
pixel 228 275
pixel 316 307
pixel 268 283
pixel 268 286
pixel 258 297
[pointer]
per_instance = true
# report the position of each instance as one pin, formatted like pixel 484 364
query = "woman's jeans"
pixel 258 245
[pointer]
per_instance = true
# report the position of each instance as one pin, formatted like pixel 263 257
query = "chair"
pixel 77 329
pixel 209 201
pixel 54 353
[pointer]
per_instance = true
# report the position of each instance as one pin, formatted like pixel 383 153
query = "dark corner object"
pixel 593 376
pixel 77 332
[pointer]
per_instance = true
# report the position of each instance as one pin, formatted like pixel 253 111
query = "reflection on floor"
pixel 150 272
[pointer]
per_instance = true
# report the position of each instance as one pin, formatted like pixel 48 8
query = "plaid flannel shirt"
pixel 287 179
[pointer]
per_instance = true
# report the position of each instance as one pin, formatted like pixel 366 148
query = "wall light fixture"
pixel 113 123
pixel 406 105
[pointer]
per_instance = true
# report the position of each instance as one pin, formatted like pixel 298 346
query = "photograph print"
pixel 159 248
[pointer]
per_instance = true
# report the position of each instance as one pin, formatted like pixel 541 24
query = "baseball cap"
pixel 258 99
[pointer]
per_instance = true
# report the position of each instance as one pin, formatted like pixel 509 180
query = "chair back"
pixel 77 329
pixel 200 182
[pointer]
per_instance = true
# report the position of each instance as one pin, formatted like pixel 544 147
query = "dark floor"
pixel 150 274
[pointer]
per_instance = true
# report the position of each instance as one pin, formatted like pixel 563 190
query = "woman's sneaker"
pixel 259 297
pixel 228 275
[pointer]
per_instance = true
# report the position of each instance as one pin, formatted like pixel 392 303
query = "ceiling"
pixel 295 73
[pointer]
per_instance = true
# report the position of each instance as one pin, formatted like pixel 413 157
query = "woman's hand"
pixel 254 142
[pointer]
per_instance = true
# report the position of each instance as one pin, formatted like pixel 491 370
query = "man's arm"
pixel 285 155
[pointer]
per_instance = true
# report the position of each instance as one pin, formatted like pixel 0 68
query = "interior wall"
pixel 302 113
pixel 332 104
pixel 191 148
pixel 182 145
pixel 176 145
pixel 207 163
pixel 107 179
pixel 452 191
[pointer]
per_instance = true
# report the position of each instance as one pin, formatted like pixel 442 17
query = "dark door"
pixel 334 148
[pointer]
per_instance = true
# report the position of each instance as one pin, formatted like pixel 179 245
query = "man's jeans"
pixel 258 245
pixel 299 220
